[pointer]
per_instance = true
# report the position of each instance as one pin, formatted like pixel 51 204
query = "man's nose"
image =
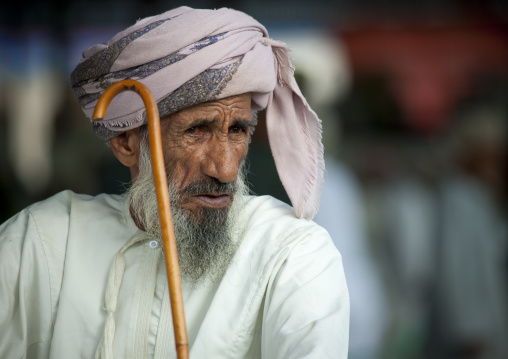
pixel 221 161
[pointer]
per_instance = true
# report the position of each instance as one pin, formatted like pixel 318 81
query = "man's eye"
pixel 236 129
pixel 195 130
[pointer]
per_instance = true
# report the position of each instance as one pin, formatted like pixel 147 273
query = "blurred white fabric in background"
pixel 33 92
pixel 32 105
pixel 341 213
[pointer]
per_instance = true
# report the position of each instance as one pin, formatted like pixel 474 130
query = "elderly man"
pixel 84 276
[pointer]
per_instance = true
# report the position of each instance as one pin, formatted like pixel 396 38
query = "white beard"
pixel 206 242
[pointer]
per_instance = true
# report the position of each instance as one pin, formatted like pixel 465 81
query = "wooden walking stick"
pixel 161 188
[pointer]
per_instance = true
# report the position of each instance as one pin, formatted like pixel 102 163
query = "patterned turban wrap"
pixel 187 56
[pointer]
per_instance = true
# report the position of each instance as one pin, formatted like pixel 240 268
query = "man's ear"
pixel 126 148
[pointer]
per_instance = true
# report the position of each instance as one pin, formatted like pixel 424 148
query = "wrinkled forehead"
pixel 237 107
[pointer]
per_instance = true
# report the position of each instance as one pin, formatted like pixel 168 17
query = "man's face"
pixel 204 147
pixel 206 144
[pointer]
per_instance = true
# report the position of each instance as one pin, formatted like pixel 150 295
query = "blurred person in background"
pixel 31 94
pixel 471 319
pixel 447 246
pixel 409 232
pixel 342 213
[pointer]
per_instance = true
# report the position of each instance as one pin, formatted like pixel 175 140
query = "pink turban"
pixel 187 56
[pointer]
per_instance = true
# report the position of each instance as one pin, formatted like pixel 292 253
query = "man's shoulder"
pixel 267 208
pixel 275 242
pixel 60 206
pixel 55 213
pixel 275 222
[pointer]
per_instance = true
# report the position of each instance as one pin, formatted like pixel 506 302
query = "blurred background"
pixel 414 101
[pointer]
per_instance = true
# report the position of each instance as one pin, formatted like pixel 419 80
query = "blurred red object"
pixel 429 67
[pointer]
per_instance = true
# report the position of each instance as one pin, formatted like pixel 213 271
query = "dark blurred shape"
pixel 262 174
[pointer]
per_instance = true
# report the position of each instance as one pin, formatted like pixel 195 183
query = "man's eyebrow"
pixel 201 122
pixel 243 123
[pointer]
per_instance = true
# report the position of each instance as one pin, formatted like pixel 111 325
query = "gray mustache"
pixel 211 185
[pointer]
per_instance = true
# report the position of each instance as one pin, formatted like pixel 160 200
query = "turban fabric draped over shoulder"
pixel 188 56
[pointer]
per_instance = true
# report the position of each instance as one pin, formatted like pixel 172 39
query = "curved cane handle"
pixel 161 188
